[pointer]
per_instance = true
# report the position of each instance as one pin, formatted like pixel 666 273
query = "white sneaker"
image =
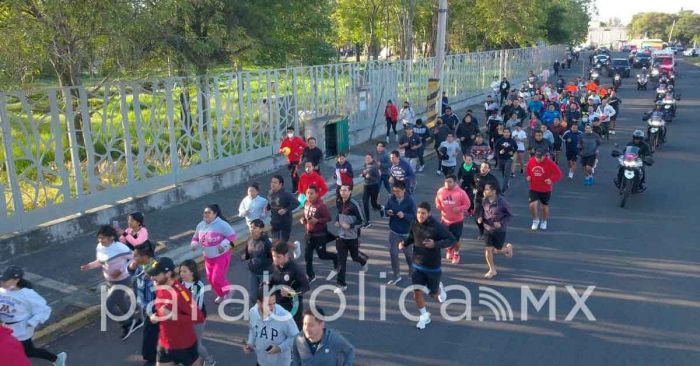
pixel 395 281
pixel 535 224
pixel 340 289
pixel 365 267
pixel 423 321
pixel 218 300
pixel 443 295
pixel 420 168
pixel 297 249
pixel 571 175
pixel 543 225
pixel 60 359
pixel 438 172
pixel 387 139
pixel 332 275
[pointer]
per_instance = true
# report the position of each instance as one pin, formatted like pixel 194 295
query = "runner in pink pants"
pixel 215 235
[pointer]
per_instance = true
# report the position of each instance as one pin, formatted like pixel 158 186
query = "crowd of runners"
pixel 528 132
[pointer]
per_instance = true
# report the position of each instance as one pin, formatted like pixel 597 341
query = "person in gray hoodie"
pixel 372 176
pixel 320 346
pixel 272 331
pixel 589 144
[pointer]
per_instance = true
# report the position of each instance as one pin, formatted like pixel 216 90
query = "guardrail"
pixel 69 150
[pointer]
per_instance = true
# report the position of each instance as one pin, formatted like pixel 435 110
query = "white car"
pixel 693 52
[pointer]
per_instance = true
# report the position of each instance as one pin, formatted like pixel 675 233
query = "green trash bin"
pixel 337 137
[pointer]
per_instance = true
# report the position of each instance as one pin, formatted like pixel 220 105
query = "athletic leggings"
pixel 33 352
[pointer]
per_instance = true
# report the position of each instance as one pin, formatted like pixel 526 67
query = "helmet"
pixel 637 134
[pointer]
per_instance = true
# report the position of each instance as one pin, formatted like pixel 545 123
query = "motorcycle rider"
pixel 658 111
pixel 644 152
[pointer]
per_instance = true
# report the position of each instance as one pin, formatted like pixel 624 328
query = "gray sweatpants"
pixel 394 240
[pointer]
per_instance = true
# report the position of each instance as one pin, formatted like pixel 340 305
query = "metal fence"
pixel 68 150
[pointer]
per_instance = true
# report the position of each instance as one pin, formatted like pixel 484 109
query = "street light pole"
pixel 434 86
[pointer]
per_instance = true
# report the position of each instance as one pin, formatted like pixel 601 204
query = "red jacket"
pixel 296 144
pixel 539 172
pixel 11 350
pixel 313 179
pixel 177 334
pixel 319 211
pixel 391 111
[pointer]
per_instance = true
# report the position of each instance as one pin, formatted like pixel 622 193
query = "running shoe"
pixel 543 225
pixel 423 321
pixel 60 359
pixel 443 295
pixel 535 224
pixel 297 249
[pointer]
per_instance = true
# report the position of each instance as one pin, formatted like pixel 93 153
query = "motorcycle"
pixel 656 130
pixel 595 76
pixel 617 81
pixel 642 81
pixel 672 78
pixel 669 106
pixel 660 93
pixel 655 74
pixel 631 166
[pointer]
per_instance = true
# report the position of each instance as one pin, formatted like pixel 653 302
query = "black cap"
pixel 539 153
pixel 11 273
pixel 162 265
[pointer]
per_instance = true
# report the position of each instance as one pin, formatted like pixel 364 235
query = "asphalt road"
pixel 642 260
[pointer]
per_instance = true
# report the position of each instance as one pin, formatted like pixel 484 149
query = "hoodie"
pixel 448 199
pixel 332 350
pixel 319 211
pixel 428 259
pixel 23 310
pixel 407 206
pixel 296 146
pixel 281 199
pixel 371 174
pixel 307 180
pixel 539 172
pixel 497 211
pixel 402 171
pixel 12 350
pixel 210 237
pixel 278 329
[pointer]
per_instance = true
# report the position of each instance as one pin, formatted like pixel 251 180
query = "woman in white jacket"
pixel 406 115
pixel 23 309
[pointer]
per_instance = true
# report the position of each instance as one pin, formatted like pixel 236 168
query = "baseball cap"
pixel 162 265
pixel 12 272
pixel 539 153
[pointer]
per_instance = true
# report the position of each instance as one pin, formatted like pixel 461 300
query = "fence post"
pixel 172 132
pixel 131 177
pixel 9 161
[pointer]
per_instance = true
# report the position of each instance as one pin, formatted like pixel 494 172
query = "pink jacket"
pixel 447 199
pixel 135 240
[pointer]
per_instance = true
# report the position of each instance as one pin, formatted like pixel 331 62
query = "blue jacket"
pixel 407 206
pixel 549 116
pixel 402 171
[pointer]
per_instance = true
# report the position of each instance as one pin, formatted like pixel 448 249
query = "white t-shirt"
pixel 520 137
pixel 452 151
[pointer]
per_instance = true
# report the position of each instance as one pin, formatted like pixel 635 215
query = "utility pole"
pixel 434 86
pixel 670 34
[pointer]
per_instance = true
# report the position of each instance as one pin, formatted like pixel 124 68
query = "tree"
pixel 358 21
pixel 687 29
pixel 653 25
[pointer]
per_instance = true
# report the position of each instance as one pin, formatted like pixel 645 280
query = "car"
pixel 664 64
pixel 692 52
pixel 641 59
pixel 620 65
pixel 601 60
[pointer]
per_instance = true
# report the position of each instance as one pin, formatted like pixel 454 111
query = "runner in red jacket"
pixel 293 148
pixel 391 115
pixel 311 178
pixel 542 173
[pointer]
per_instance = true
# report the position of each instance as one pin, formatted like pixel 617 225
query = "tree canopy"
pixel 659 25
pixel 72 40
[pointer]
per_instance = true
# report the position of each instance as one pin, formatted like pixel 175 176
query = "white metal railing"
pixel 140 135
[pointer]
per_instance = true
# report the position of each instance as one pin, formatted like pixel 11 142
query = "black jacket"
pixel 290 275
pixel 278 200
pixel 430 229
pixel 504 88
pixel 258 253
pixel 467 130
pixel 480 182
pixel 314 155
pixel 466 178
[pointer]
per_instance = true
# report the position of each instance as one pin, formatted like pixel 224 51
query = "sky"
pixel 624 9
